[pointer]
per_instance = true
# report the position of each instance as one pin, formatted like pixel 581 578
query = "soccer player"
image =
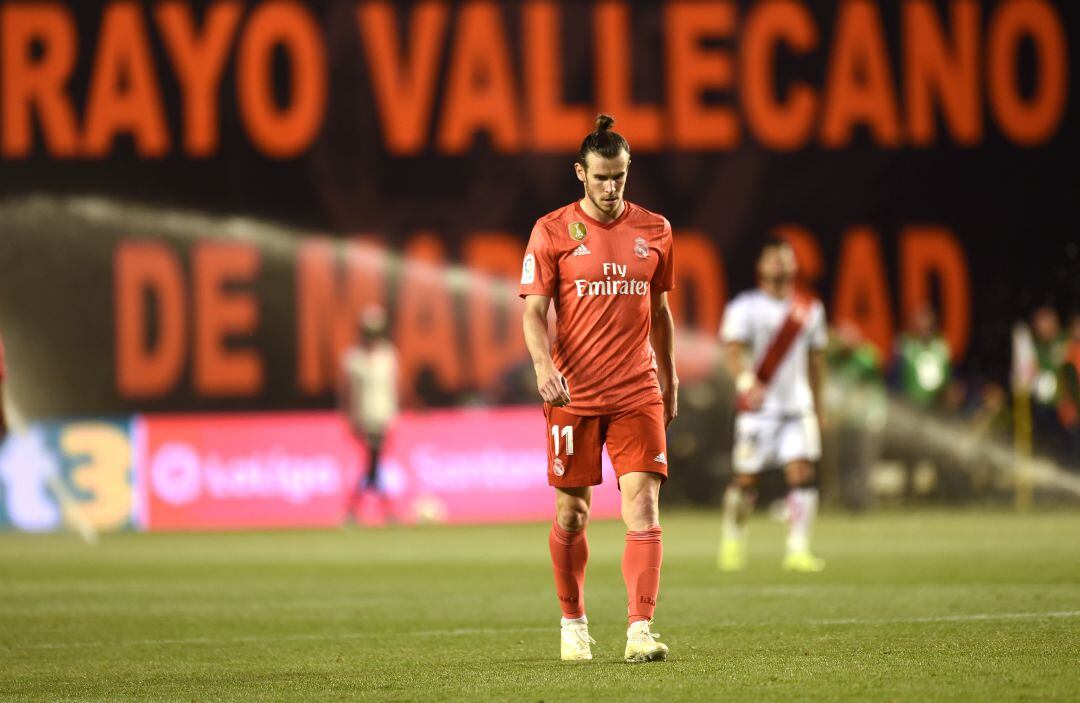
pixel 782 330
pixel 369 399
pixel 609 378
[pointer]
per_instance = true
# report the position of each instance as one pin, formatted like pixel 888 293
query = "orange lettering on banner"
pixel 554 126
pixel 932 252
pixel 223 315
pixel 124 94
pixel 404 85
pixel 31 84
pixel 613 66
pixel 199 61
pixel 494 318
pixel 693 69
pixel 480 92
pixel 781 126
pixel 699 281
pixel 934 73
pixel 425 324
pixel 282 132
pixel 1027 120
pixel 328 308
pixel 807 254
pixel 861 293
pixel 859 86
pixel 148 365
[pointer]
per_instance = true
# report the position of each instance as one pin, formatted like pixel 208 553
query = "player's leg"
pixel 800 447
pixel 637 444
pixel 740 497
pixel 574 445
pixel 570 548
pixel 750 454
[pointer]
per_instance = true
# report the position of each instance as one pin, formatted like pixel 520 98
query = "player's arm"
pixel 662 337
pixel 816 369
pixel 550 383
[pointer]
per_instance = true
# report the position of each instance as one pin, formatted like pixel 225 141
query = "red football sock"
pixel 569 554
pixel 641 570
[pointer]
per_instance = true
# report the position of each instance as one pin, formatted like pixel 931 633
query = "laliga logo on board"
pixel 175 474
pixel 179 475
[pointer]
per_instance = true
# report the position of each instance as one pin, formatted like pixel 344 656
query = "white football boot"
pixel 575 640
pixel 641 644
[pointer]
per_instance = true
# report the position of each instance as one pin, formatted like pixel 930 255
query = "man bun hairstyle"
pixel 603 141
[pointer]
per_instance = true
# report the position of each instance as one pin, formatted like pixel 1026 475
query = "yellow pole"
pixel 1022 431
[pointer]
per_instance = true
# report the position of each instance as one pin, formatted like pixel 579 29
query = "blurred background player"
pixel 782 330
pixel 369 399
pixel 610 378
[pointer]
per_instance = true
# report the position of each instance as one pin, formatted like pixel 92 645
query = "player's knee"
pixel 747 482
pixel 640 510
pixel 573 517
pixel 800 473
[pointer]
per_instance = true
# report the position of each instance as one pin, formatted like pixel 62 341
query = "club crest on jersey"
pixel 641 248
pixel 577 231
pixel 557 467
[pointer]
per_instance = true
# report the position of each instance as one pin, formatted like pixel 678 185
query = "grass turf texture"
pixel 922 606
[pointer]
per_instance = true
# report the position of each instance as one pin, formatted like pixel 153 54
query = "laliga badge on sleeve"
pixel 577 231
pixel 528 270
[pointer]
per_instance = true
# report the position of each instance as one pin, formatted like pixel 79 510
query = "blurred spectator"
pixel 922 371
pixel 369 399
pixel 1050 356
pixel 922 363
pixel 1069 405
pixel 857 403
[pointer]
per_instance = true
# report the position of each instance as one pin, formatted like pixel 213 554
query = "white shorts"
pixel 773 441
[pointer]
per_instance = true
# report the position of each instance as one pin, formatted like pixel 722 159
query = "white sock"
pixel 637 627
pixel 802 504
pixel 574 621
pixel 733 523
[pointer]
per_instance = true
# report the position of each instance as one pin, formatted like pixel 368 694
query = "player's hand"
pixel 671 403
pixel 753 398
pixel 552 386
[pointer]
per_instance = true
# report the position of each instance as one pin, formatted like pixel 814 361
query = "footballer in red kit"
pixel 608 379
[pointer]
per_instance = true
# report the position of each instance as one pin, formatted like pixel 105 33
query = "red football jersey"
pixel 600 277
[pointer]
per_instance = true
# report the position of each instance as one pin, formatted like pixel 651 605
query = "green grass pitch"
pixel 912 607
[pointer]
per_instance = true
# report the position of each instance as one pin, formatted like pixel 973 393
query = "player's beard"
pixel 606 207
pixel 780 282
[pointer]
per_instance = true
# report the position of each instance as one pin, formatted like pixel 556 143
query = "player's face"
pixel 777 266
pixel 604 180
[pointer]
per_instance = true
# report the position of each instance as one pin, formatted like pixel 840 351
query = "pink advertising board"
pixel 300 469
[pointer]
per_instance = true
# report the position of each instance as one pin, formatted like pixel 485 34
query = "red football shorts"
pixel 636 441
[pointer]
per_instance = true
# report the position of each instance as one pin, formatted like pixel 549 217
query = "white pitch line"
pixel 974 617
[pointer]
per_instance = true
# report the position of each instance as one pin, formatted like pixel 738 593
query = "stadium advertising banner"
pixel 78 473
pixel 165 166
pixel 275 470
